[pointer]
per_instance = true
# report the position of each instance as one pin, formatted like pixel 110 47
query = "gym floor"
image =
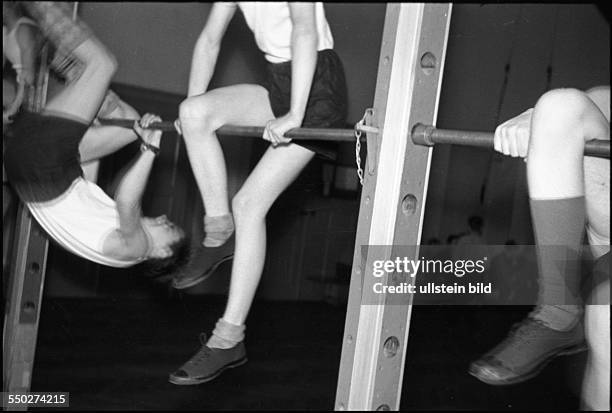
pixel 115 354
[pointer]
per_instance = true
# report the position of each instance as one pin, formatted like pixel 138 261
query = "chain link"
pixel 359 127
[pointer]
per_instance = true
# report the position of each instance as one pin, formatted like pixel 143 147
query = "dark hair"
pixel 158 267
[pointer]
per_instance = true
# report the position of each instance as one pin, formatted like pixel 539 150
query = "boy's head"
pixel 168 247
pixel 162 236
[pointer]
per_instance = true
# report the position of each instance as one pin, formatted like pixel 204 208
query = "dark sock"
pixel 559 230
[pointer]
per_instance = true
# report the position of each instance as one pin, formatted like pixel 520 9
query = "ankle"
pixel 559 318
pixel 217 229
pixel 226 334
pixel 219 342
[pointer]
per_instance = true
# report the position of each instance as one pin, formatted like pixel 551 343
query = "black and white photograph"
pixel 309 206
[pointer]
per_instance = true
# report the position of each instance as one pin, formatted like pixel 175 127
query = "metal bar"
pixel 407 91
pixel 321 134
pixel 429 136
pixel 421 135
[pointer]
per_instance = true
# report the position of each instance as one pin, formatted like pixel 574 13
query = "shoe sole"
pixel 190 382
pixel 205 275
pixel 531 374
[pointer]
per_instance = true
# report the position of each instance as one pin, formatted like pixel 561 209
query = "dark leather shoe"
pixel 208 363
pixel 529 347
pixel 195 272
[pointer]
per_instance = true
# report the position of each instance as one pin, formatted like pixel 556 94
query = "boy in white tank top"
pixel 305 87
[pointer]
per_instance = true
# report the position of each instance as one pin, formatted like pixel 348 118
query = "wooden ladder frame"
pixel 392 203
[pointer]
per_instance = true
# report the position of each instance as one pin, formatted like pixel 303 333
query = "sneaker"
pixel 208 363
pixel 529 347
pixel 193 273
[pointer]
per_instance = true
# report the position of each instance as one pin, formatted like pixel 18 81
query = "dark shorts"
pixel 41 155
pixel 327 102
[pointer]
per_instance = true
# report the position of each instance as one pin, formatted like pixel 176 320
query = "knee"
pixel 563 107
pixel 244 206
pixel 558 119
pixel 109 63
pixel 197 108
pixel 98 57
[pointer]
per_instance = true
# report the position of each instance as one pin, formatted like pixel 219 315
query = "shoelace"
pixel 526 330
pixel 203 353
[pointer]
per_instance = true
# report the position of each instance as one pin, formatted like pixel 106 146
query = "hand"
pixel 276 128
pixel 512 137
pixel 150 136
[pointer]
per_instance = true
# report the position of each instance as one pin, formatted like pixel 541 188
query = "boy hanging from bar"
pixel 44 150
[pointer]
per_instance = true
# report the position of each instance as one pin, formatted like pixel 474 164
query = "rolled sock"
pixel 226 335
pixel 56 23
pixel 66 34
pixel 558 317
pixel 559 229
pixel 217 230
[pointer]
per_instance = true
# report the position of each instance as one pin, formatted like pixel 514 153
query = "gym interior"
pixel 110 336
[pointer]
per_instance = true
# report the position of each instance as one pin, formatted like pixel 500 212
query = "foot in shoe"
pixel 208 363
pixel 218 229
pixel 199 267
pixel 526 351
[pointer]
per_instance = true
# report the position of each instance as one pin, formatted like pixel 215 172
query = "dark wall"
pixel 500 59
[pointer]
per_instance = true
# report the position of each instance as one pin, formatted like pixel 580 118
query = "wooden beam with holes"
pixel 392 203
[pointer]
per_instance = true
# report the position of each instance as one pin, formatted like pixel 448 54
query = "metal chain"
pixel 358 155
pixel 359 127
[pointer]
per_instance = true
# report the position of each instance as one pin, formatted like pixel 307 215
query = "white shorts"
pixel 80 221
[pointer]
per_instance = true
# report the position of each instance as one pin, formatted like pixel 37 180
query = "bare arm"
pixel 304 41
pixel 207 47
pixel 131 188
pixel 27 38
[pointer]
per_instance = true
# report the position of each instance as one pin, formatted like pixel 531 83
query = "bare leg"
pixel 100 141
pixel 555 162
pixel 81 99
pixel 273 174
pixel 563 120
pixel 201 116
pixel 597 185
pixel 596 385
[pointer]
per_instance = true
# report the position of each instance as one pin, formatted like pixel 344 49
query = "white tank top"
pixel 271 24
pixel 80 220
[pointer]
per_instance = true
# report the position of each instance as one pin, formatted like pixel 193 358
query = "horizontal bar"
pixel 318 134
pixel 429 136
